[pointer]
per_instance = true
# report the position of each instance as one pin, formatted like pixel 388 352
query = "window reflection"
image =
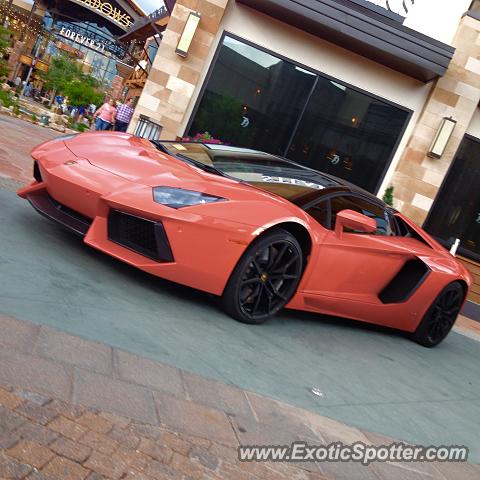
pixel 254 99
pixel 347 133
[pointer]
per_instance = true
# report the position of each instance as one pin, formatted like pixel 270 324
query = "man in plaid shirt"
pixel 124 115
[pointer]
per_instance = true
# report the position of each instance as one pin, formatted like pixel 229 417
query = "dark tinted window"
pixel 255 99
pixel 378 213
pixel 320 212
pixel 348 134
pixel 456 211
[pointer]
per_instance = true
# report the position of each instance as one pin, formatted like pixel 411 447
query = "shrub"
pixel 6 98
pixel 80 127
pixel 388 196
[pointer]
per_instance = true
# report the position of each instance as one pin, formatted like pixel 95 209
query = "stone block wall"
pixel 172 80
pixel 457 94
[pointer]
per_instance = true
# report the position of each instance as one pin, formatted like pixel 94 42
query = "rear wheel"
pixel 265 278
pixel 440 317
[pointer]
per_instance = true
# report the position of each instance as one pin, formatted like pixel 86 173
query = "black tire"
pixel 441 316
pixel 265 278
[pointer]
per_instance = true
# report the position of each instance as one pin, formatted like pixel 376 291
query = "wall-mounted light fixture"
pixel 188 34
pixel 442 137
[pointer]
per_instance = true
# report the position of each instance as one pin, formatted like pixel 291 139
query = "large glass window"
pixel 347 134
pixel 456 211
pixel 257 100
pixel 253 99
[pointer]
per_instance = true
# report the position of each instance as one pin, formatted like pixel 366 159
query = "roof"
pixel 365 29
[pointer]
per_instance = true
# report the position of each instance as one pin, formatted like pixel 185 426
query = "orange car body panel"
pixel 95 172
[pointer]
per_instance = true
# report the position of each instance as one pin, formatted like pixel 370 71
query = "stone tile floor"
pixel 75 409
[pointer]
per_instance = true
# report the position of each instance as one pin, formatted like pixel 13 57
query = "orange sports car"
pixel 258 230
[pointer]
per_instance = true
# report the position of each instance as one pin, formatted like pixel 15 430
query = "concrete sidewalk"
pixel 75 409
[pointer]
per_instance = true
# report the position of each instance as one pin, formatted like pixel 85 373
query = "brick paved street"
pixel 74 409
pixel 88 405
pixel 17 139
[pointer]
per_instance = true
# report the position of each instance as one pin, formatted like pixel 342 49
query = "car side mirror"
pixel 355 221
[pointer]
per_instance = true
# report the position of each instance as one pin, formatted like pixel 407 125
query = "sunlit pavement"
pixel 367 377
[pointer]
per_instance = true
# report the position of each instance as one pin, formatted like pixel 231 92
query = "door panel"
pixel 357 266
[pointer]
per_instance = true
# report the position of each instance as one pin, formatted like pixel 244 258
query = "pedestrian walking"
pixel 124 115
pixel 105 115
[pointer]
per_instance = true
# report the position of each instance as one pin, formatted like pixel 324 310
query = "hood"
pixel 132 158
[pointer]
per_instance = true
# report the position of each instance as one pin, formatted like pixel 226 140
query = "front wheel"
pixel 265 278
pixel 440 317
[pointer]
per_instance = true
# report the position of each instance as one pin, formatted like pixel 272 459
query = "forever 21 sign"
pixel 108 10
pixel 82 40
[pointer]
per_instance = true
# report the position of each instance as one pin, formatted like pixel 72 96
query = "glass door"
pixel 456 211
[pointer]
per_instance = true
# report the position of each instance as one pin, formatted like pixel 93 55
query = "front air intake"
pixel 146 237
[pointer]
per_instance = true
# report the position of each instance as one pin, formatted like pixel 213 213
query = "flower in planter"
pixel 203 138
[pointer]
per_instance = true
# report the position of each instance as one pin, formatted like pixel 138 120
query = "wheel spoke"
pixel 275 290
pixel 249 281
pixel 279 256
pixel 283 276
pixel 257 266
pixel 259 297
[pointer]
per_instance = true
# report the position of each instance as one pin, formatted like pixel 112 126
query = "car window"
pixel 385 225
pixel 320 213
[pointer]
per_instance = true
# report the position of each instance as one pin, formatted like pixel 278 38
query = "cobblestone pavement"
pixel 81 410
pixel 16 142
pixel 44 438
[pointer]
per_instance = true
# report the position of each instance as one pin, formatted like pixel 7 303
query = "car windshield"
pixel 274 174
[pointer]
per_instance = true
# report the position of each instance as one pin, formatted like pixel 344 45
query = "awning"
pixel 366 29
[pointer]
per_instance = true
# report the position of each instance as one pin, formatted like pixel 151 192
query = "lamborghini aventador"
pixel 258 230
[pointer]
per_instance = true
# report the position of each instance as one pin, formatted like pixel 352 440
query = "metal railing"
pixel 147 129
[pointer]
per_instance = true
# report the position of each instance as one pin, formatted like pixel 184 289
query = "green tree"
pixel 82 93
pixel 388 196
pixel 4 44
pixel 66 77
pixel 61 72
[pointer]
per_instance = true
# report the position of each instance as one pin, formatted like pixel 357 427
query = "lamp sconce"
pixel 442 137
pixel 187 35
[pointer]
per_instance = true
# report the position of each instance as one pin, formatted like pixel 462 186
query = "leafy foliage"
pixel 6 99
pixel 4 44
pixel 66 77
pixel 388 196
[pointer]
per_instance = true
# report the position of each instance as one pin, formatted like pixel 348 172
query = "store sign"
pixel 82 40
pixel 68 48
pixel 108 10
pixel 42 66
pixel 26 60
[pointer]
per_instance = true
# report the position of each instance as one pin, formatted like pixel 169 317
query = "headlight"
pixel 178 197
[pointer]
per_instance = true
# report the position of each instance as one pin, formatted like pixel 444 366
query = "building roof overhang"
pixel 365 29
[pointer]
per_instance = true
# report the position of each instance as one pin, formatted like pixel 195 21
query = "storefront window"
pixel 456 211
pixel 253 99
pixel 347 134
pixel 257 100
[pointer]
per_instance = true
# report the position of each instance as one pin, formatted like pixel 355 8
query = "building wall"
pixel 174 112
pixel 172 79
pixel 457 94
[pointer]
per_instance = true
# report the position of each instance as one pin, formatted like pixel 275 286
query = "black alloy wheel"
pixel 440 317
pixel 265 278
